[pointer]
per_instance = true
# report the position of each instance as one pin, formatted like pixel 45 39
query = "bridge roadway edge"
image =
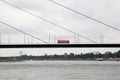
pixel 60 46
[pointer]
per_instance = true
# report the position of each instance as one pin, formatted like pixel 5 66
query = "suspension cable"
pixel 48 21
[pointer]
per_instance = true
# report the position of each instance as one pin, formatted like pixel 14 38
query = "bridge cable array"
pixel 110 26
pixel 48 21
pixel 23 32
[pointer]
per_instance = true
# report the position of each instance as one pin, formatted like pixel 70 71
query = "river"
pixel 60 70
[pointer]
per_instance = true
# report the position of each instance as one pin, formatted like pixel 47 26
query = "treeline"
pixel 67 56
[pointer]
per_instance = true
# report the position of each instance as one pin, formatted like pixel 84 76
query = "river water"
pixel 60 70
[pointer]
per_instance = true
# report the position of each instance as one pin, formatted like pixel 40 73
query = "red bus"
pixel 63 41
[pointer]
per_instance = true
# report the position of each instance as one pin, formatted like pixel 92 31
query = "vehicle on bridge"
pixel 63 41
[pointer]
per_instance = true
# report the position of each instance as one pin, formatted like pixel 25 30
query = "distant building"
pixel 65 55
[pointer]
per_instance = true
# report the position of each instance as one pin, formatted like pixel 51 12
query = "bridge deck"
pixel 59 45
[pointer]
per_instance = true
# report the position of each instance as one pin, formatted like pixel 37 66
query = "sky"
pixel 106 11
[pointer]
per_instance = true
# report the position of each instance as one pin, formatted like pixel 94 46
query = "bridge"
pixel 60 46
pixel 31 41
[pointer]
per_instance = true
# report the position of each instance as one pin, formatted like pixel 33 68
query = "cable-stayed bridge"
pixel 29 40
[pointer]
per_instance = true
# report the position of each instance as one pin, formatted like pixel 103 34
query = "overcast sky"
pixel 104 10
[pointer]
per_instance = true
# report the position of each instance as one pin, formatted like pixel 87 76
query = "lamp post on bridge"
pixel 8 39
pixel 0 38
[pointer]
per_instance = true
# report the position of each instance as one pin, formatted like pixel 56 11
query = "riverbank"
pixel 9 60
